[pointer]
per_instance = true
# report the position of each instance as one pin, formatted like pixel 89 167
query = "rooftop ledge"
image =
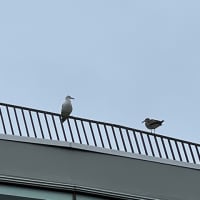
pixel 22 124
pixel 82 147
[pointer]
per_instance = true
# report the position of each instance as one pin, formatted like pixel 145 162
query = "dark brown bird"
pixel 152 124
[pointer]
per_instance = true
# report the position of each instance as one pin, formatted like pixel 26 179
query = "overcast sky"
pixel 123 60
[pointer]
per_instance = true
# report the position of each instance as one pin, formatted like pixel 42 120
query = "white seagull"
pixel 66 108
pixel 152 123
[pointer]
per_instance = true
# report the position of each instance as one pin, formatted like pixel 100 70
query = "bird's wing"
pixel 154 121
pixel 64 112
pixel 63 108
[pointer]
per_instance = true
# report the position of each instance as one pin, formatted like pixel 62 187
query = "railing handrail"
pixel 140 141
pixel 103 123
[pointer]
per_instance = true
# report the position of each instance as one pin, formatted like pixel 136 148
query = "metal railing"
pixel 23 121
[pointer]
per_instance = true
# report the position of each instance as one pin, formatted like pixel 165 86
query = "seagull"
pixel 66 108
pixel 152 123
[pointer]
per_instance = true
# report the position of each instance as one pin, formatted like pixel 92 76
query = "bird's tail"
pixel 62 119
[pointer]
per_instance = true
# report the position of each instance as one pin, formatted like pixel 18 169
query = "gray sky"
pixel 123 60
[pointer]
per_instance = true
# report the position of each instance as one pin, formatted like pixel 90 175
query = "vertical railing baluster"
pixel 2 120
pixel 109 143
pixel 40 125
pixel 179 153
pixel 151 146
pixel 99 131
pixel 95 143
pixel 164 147
pixel 54 123
pixel 136 141
pixel 9 118
pixel 185 153
pixel 197 150
pixel 86 138
pixel 170 146
pixel 30 114
pixel 113 130
pixel 193 158
pixel 63 130
pixel 158 148
pixel 48 128
pixel 26 127
pixel 129 140
pixel 18 125
pixel 124 145
pixel 144 145
pixel 70 129
pixel 79 136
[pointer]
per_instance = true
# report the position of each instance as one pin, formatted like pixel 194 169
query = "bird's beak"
pixel 72 98
pixel 143 121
